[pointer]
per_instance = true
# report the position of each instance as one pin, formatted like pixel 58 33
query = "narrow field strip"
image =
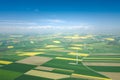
pixel 78 54
pixel 65 70
pixel 100 64
pixel 105 58
pixel 89 77
pixel 30 53
pixel 45 68
pixel 63 58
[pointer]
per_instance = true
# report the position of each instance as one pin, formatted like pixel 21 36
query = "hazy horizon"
pixel 90 16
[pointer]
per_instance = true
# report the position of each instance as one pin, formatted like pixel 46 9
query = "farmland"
pixel 59 56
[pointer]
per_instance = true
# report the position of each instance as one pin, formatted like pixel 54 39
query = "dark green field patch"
pixel 28 77
pixel 12 57
pixel 8 75
pixel 18 67
pixel 106 68
pixel 62 72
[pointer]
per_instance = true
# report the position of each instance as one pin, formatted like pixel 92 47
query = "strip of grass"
pixel 62 71
pixel 104 56
pixel 18 67
pixel 106 68
pixel 110 61
pixel 8 75
pixel 28 77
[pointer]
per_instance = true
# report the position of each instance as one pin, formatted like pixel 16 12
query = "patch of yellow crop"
pixel 67 70
pixel 110 39
pixel 72 37
pixel 79 37
pixel 76 48
pixel 51 46
pixel 5 62
pixel 79 54
pixel 10 47
pixel 78 45
pixel 30 53
pixel 56 48
pixel 63 58
pixel 56 41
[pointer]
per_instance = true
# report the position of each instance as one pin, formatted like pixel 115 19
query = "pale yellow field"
pixel 79 54
pixel 76 48
pixel 56 41
pixel 112 75
pixel 45 68
pixel 10 47
pixel 110 39
pixel 39 49
pixel 34 60
pixel 63 58
pixel 46 74
pixel 78 45
pixel 5 62
pixel 51 46
pixel 79 37
pixel 88 77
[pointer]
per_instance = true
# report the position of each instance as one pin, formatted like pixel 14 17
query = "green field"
pixel 68 55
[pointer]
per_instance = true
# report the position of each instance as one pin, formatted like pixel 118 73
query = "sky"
pixel 59 15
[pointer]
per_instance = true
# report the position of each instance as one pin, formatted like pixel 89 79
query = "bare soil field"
pixel 34 60
pixel 45 68
pixel 46 74
pixel 112 75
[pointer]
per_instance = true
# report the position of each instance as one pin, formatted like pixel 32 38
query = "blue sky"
pixel 19 15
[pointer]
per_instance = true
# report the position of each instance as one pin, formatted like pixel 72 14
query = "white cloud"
pixel 15 22
pixel 54 21
pixel 78 27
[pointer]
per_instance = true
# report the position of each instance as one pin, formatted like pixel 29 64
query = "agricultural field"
pixel 59 57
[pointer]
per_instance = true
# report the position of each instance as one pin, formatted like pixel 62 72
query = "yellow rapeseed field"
pixel 56 41
pixel 110 39
pixel 63 58
pixel 76 48
pixel 30 53
pixel 51 46
pixel 5 62
pixel 79 54
pixel 10 47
